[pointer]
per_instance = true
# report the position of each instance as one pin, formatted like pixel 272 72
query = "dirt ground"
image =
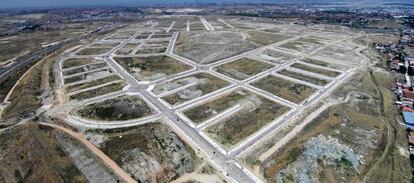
pixel 361 125
pixel 30 153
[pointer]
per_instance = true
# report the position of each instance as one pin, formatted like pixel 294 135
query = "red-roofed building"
pixel 408 109
pixel 408 94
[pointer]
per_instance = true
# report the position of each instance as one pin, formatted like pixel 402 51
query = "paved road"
pixel 220 158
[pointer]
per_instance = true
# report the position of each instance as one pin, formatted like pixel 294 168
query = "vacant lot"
pixel 151 51
pixel 262 38
pixel 201 84
pixel 301 46
pixel 209 47
pixel 255 113
pixel 324 64
pixel 77 87
pixel 149 153
pixel 288 90
pixel 85 68
pixel 243 68
pixel 116 109
pixel 74 62
pixel 303 77
pixel 93 51
pixel 151 68
pixel 98 91
pixel 316 70
pixel 275 56
pixel 213 107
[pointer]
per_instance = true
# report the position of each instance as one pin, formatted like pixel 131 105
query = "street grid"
pixel 222 159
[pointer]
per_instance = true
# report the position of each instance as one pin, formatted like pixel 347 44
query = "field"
pixel 151 51
pixel 262 38
pixel 274 56
pixel 324 64
pixel 84 68
pixel 98 91
pixel 199 85
pixel 303 47
pixel 303 77
pixel 209 47
pixel 316 70
pixel 75 62
pixel 97 82
pixel 242 68
pixel 288 90
pixel 93 51
pixel 116 109
pixel 150 152
pixel 255 113
pixel 151 68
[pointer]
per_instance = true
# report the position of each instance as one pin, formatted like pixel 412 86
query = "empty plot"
pixel 84 68
pixel 242 68
pixel 255 113
pixel 127 48
pixel 316 70
pixel 275 56
pixel 103 45
pixel 301 46
pixel 151 68
pixel 303 77
pixel 341 52
pixel 97 82
pixel 116 109
pixel 122 35
pixel 93 51
pixel 150 51
pixel 324 64
pixel 212 46
pixel 74 62
pixel 160 36
pixel 143 35
pixel 266 38
pixel 283 88
pixel 98 91
pixel 198 85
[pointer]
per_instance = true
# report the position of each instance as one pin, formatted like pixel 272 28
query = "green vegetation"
pixel 98 91
pixel 288 90
pixel 316 70
pixel 115 109
pixel 243 68
pixel 303 77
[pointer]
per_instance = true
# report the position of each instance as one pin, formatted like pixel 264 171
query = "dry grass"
pixel 243 68
pixel 288 90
